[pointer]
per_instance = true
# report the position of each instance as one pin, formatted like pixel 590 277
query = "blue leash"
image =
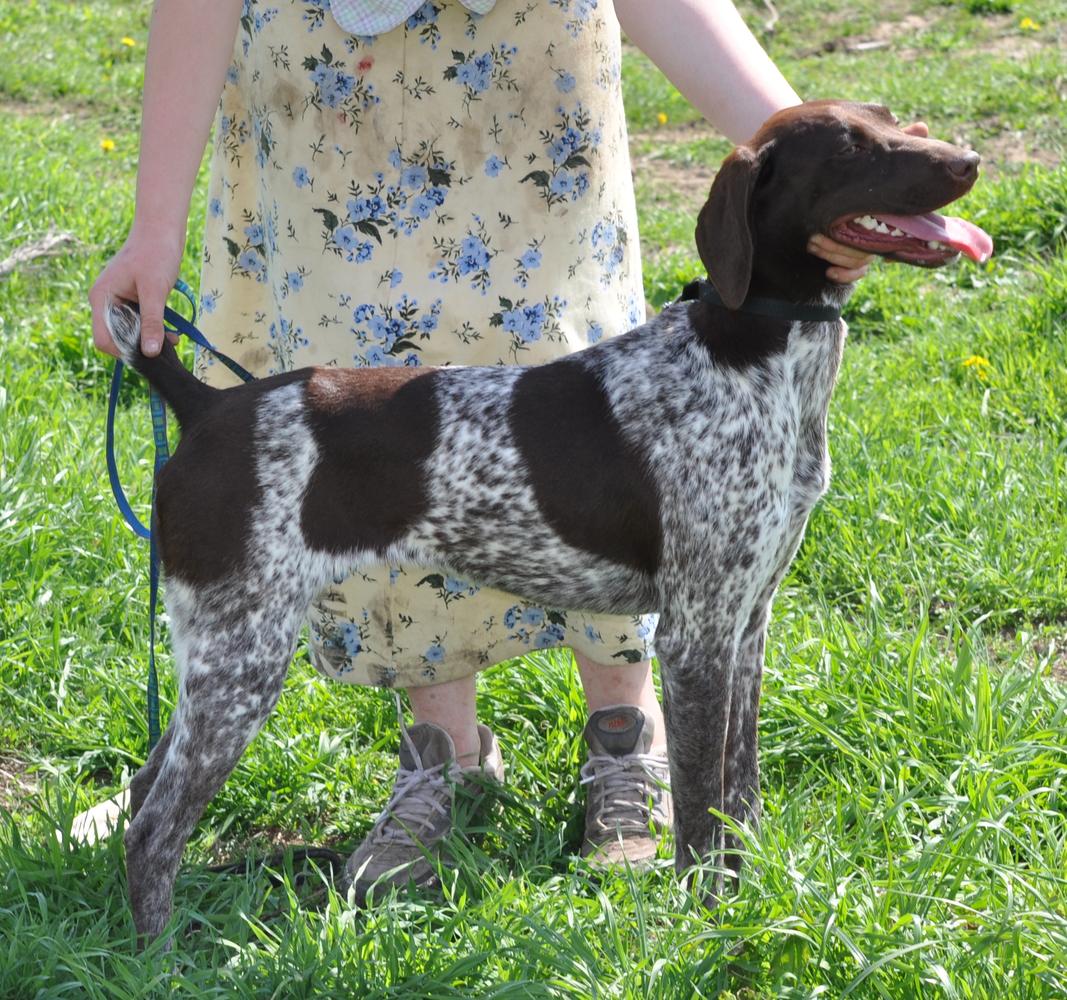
pixel 174 323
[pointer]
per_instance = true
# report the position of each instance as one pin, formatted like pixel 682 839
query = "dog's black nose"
pixel 965 167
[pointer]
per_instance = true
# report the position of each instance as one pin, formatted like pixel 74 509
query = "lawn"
pixel 914 721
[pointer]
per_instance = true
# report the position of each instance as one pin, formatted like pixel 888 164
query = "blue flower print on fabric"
pixel 424 23
pixel 294 281
pixel 635 310
pixel 341 642
pixel 465 260
pixel 351 639
pixel 568 145
pixel 248 258
pixel 263 140
pixel 435 654
pixel 565 81
pixel 608 240
pixel 529 261
pixel 314 13
pixel 528 322
pixel 422 183
pixel 253 20
pixel 535 626
pixel 334 87
pixel 578 13
pixel 285 338
pixel 233 134
pixel 475 72
pixel 448 588
pixel 388 334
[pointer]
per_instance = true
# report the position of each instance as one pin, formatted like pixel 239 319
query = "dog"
pixel 701 437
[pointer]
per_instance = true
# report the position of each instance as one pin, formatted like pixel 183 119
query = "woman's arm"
pixel 190 43
pixel 706 50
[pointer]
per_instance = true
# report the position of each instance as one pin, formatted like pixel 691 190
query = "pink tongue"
pixel 956 233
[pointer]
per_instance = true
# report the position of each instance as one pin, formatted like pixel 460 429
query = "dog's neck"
pixel 784 269
pixel 768 308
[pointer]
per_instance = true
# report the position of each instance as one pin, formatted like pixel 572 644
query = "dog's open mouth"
pixel 928 240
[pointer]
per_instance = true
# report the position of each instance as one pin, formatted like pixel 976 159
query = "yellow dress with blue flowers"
pixel 453 190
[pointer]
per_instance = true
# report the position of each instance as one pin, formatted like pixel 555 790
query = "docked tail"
pixel 186 395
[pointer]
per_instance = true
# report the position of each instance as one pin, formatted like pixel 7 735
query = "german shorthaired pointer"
pixel 701 439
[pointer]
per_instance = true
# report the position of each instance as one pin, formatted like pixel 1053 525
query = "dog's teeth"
pixel 897 232
pixel 867 222
pixel 882 228
pixel 936 245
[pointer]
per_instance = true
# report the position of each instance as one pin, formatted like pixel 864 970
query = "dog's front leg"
pixel 697 680
pixel 741 791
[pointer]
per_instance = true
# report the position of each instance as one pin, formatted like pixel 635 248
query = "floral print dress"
pixel 455 190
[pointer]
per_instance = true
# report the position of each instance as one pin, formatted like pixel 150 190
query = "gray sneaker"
pixel 629 799
pixel 406 837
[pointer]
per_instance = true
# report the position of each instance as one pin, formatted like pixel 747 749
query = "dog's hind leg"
pixel 231 669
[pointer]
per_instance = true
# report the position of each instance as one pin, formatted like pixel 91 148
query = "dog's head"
pixel 842 169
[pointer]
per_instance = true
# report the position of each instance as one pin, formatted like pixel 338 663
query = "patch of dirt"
pixel 674 134
pixel 904 35
pixel 53 110
pixel 262 842
pixel 910 26
pixel 1012 42
pixel 1043 652
pixel 1056 651
pixel 15 783
pixel 881 36
pixel 691 181
pixel 1011 149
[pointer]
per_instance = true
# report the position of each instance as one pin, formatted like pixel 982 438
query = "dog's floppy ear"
pixel 724 236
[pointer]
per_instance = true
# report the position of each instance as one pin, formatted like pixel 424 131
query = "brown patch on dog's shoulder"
pixel 334 390
pixel 590 481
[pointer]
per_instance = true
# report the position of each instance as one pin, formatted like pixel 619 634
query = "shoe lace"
pixel 625 785
pixel 419 794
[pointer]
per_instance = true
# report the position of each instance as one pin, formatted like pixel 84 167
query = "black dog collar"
pixel 774 308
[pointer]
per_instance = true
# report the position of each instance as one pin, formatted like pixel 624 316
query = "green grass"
pixel 914 717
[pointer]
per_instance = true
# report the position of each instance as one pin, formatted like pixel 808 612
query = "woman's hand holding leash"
pixel 189 47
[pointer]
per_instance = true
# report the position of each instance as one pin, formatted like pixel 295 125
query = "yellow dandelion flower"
pixel 128 42
pixel 661 118
pixel 980 365
pixel 1029 24
pixel 107 145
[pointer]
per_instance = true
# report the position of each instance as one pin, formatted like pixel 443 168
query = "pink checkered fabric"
pixel 375 17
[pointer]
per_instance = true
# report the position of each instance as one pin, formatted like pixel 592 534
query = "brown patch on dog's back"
pixel 376 426
pixel 332 390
